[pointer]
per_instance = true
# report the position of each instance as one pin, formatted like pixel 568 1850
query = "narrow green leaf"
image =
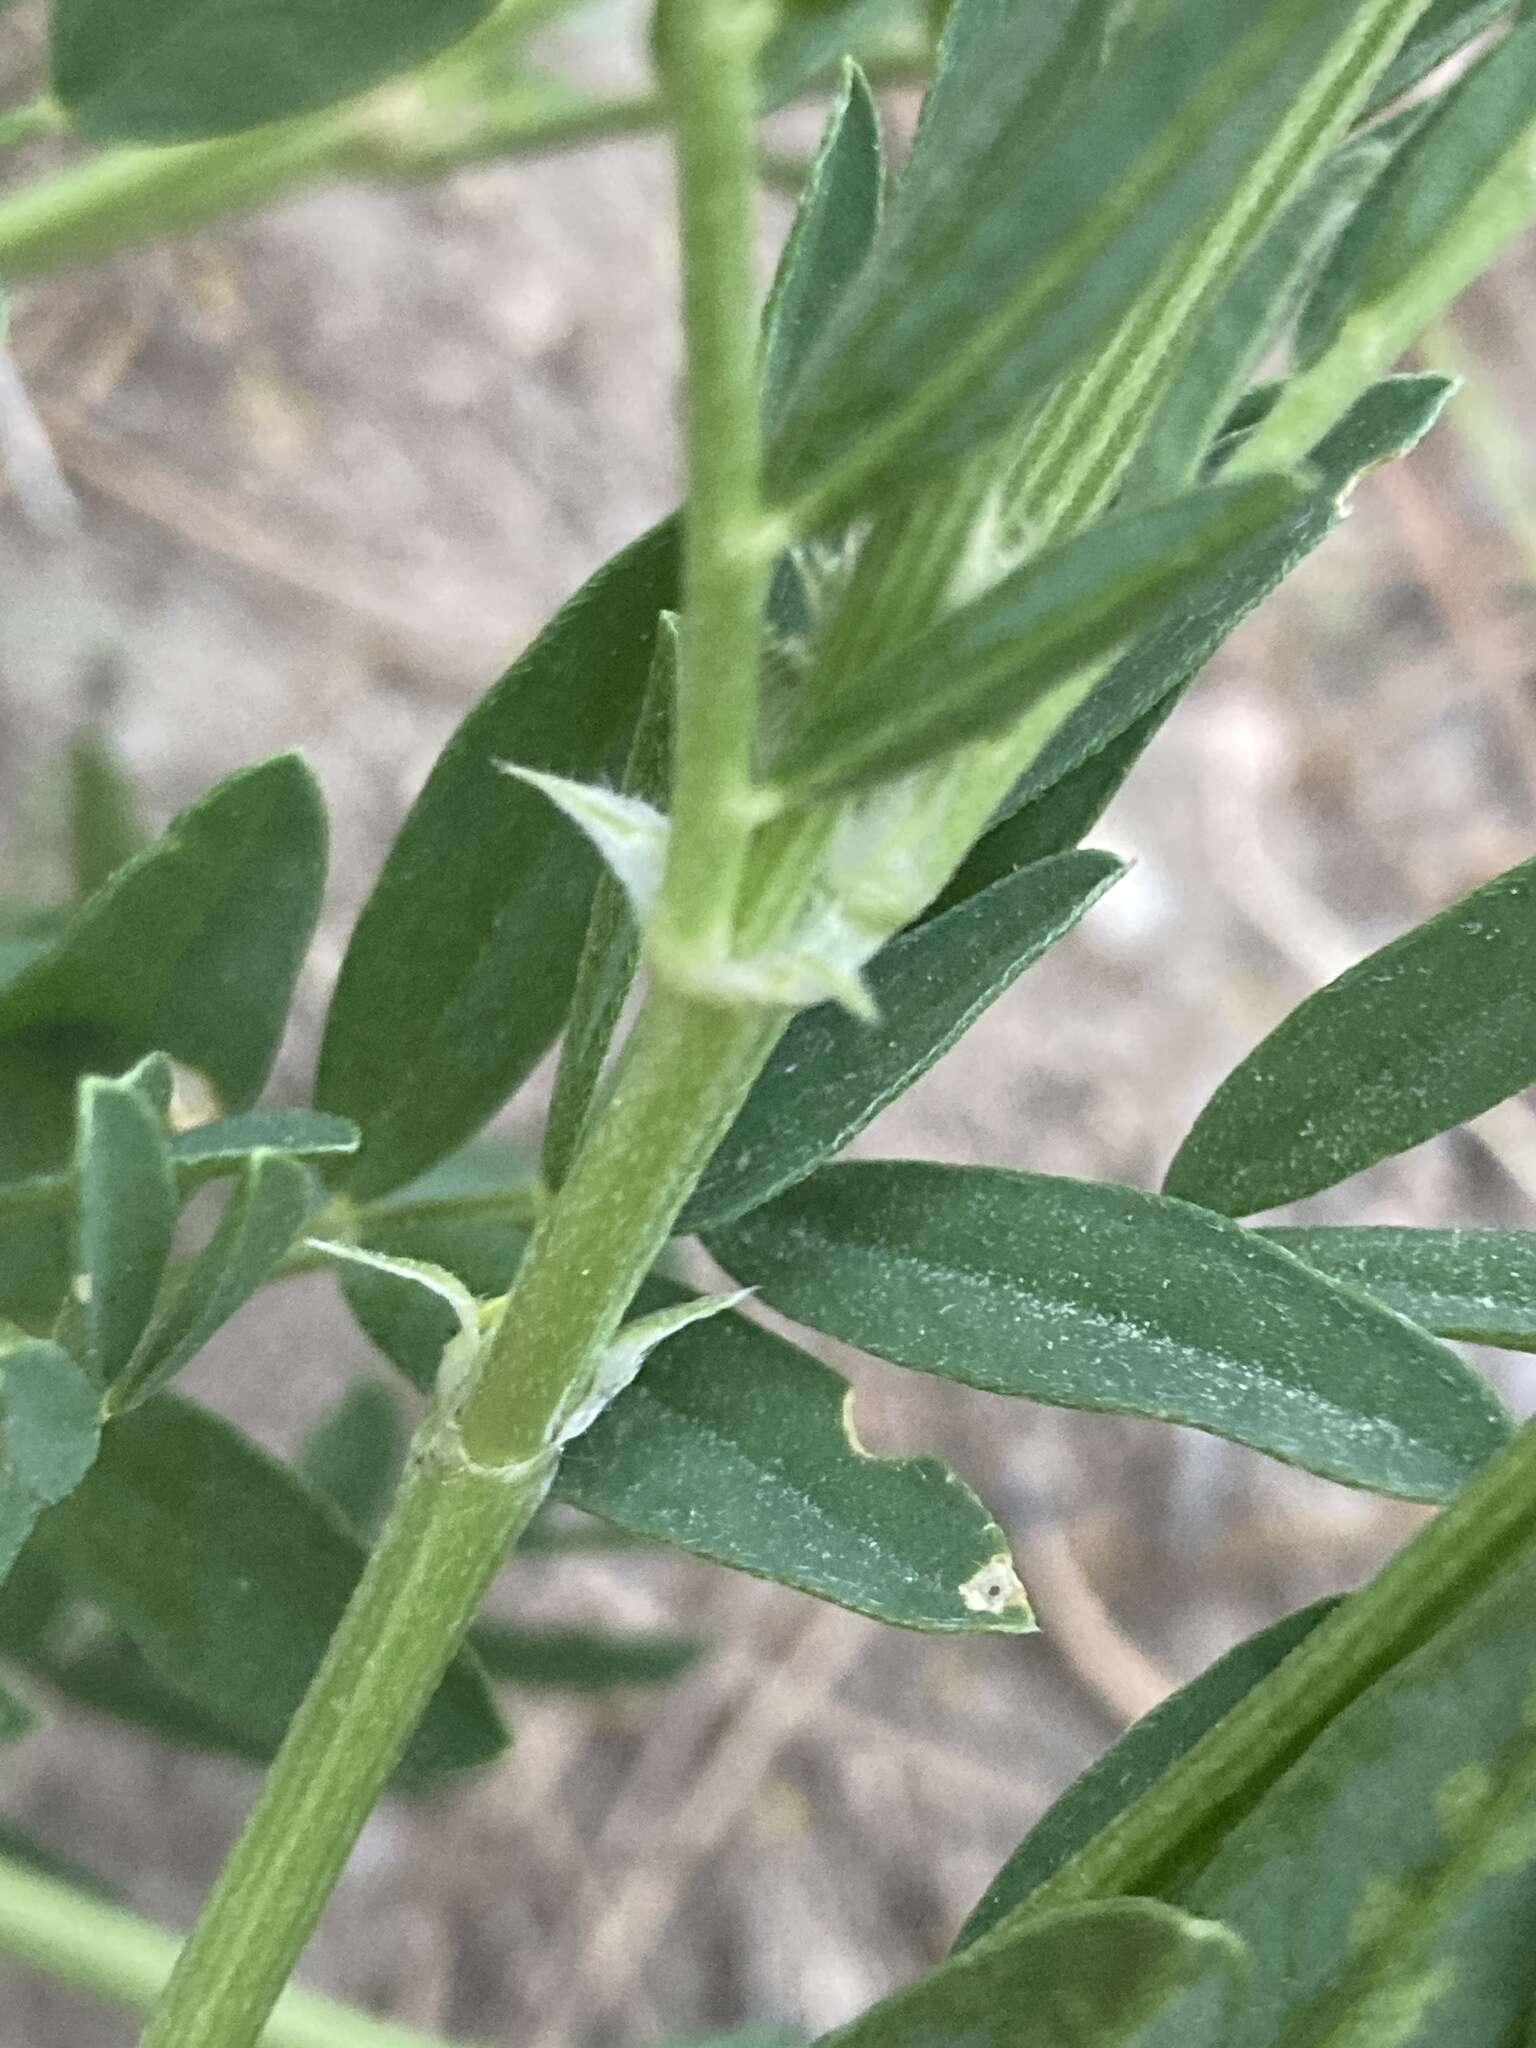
pixel 1026 256
pixel 262 1223
pixel 831 1075
pixel 193 949
pixel 1475 1285
pixel 610 954
pixel 1390 419
pixel 739 1447
pixel 1439 201
pixel 1135 1762
pixel 1244 320
pixel 1029 644
pixel 1128 1974
pixel 1328 296
pixel 461 968
pixel 50 1426
pixel 211 1151
pixel 1089 1295
pixel 1431 1030
pixel 174 70
pixel 106 1675
pixel 231 1576
pixel 1388 1880
pixel 353 1457
pixel 106 822
pixel 1440 31
pixel 834 229
pixel 408 1325
pixel 581 1660
pixel 126 1221
pixel 809 40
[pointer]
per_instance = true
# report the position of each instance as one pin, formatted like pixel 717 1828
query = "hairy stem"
pixel 711 58
pixel 450 1527
pixel 62 1932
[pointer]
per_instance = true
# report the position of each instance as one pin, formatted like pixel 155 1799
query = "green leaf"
pixel 18 1719
pixel 1128 1974
pixel 193 949
pixel 107 1675
pixel 1388 1880
pixel 831 1075
pixel 230 1576
pixel 1389 420
pixel 1028 645
pixel 1134 1764
pixel 50 1426
pixel 1243 320
pixel 410 1326
pixel 266 1213
pixel 1027 254
pixel 106 822
pixel 1435 1028
pixel 834 230
pixel 1089 1295
pixel 460 970
pixel 1440 31
pixel 174 70
pixel 738 1447
pixel 353 1457
pixel 1433 202
pixel 1475 1285
pixel 610 953
pixel 810 38
pixel 581 1660
pixel 127 1220
pixel 213 1150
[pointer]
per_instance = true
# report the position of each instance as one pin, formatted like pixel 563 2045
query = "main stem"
pixel 711 60
pixel 484 1459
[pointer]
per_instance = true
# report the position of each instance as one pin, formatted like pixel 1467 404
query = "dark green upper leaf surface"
pixel 834 227
pixel 1387 1882
pixel 50 1425
pixel 126 1221
pixel 1135 1762
pixel 261 1225
pixel 1389 419
pixel 1431 1030
pixel 581 1660
pixel 1091 1295
pixel 738 1446
pixel 193 949
pixel 171 70
pixel 1476 1285
pixel 990 663
pixel 1125 1974
pixel 460 969
pixel 353 1457
pixel 230 1576
pixel 1024 255
pixel 831 1073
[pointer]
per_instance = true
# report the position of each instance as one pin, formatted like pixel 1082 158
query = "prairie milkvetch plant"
pixel 1027 425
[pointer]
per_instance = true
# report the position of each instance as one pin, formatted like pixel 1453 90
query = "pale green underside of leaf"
pixel 1090 1295
pixel 1431 1030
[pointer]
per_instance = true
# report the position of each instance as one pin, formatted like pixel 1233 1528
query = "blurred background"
pixel 330 468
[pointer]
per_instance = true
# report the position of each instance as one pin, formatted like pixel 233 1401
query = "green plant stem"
pixel 1158 1839
pixel 64 1933
pixel 42 116
pixel 712 52
pixel 447 1534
